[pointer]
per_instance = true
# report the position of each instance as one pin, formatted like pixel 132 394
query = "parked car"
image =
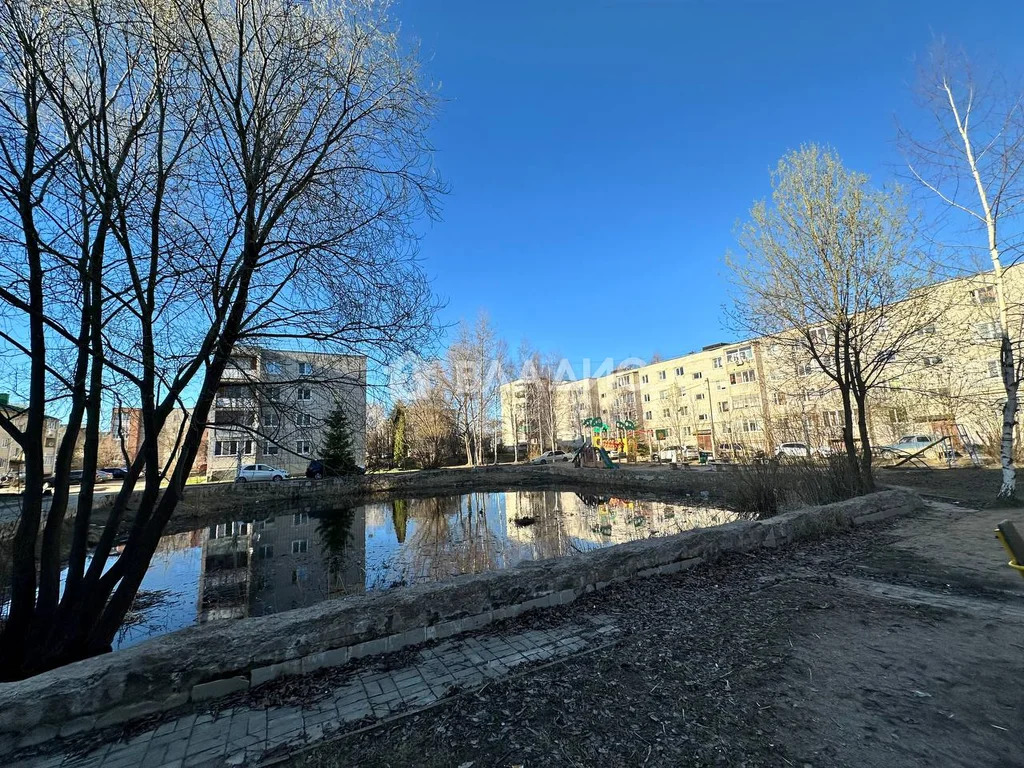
pixel 317 470
pixel 118 473
pixel 552 457
pixel 260 472
pixel 793 449
pixel 74 477
pixel 910 444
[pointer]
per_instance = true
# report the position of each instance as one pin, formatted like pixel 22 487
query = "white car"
pixel 260 472
pixel 552 457
pixel 910 444
pixel 793 449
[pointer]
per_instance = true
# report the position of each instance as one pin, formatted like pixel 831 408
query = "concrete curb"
pixel 215 660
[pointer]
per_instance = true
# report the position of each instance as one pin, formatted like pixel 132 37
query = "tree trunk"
pixel 1008 487
pixel 867 478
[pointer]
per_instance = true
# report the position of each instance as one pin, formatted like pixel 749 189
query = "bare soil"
pixel 898 644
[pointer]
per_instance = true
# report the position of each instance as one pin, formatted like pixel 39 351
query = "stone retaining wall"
pixel 218 659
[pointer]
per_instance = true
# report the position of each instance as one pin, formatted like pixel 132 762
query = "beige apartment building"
pixel 741 398
pixel 272 407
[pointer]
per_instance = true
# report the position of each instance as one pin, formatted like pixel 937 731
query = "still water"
pixel 252 567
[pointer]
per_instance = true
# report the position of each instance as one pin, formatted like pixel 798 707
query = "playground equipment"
pixel 607 459
pixel 1013 543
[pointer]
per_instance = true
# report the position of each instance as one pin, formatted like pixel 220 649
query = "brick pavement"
pixel 245 736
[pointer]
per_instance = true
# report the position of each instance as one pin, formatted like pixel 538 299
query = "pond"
pixel 256 566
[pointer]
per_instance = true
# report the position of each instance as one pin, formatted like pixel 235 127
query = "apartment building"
pixel 12 458
pixel 272 407
pixel 740 398
pixel 127 429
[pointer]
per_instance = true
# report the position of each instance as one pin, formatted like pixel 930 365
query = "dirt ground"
pixel 894 645
pixel 972 485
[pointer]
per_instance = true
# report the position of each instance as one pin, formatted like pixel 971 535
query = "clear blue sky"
pixel 600 152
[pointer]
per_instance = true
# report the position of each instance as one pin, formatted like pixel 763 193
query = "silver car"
pixel 260 472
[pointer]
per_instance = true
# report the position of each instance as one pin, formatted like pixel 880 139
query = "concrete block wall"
pixel 213 660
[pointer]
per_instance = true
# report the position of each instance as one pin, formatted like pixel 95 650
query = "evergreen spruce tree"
pixel 398 447
pixel 337 450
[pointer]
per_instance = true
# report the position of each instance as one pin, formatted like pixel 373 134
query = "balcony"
pixel 236 403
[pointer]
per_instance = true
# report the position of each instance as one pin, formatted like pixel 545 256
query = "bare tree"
pixel 178 180
pixel 973 162
pixel 830 270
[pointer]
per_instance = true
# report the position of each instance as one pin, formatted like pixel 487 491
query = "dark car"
pixel 317 470
pixel 118 473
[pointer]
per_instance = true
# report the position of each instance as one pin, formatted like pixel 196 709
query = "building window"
pixel 266 551
pixel 303 447
pixel 303 420
pixel 988 331
pixel 741 377
pixel 750 426
pixel 698 375
pixel 679 371
pixel 666 412
pixel 272 394
pixel 300 518
pixel 716 363
pixel 271 419
pixel 231 447
pixel 739 355
pixel 272 368
pixel 986 295
pixel 305 393
pixel 779 398
pixel 648 415
pixel 993 368
pixel 723 407
pixel 662 375
pixel 647 398
pixel 699 396
pixel 305 369
pixel 684 411
pixel 932 360
pixel 300 546
pixel 271 449
pixel 805 369
pixel 663 395
pixel 926 330
pixel 644 379
pixel 702 417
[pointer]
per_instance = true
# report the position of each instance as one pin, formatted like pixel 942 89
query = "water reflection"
pixel 254 567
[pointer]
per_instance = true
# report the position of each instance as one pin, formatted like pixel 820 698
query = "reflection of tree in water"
pixel 451 536
pixel 141 615
pixel 334 528
pixel 400 518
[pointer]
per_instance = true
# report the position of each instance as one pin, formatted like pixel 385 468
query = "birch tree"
pixel 830 270
pixel 972 161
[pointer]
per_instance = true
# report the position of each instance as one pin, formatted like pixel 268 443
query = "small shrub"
pixel 764 489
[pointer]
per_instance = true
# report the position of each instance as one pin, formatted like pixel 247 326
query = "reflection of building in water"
pixel 303 558
pixel 564 522
pixel 284 562
pixel 225 574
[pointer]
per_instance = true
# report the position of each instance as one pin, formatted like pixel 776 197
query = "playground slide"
pixel 607 459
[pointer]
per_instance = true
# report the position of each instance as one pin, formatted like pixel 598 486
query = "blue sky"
pixel 600 153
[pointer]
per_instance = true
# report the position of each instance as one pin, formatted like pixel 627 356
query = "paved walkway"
pixel 246 735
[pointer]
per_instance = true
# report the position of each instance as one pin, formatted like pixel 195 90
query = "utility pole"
pixel 711 409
